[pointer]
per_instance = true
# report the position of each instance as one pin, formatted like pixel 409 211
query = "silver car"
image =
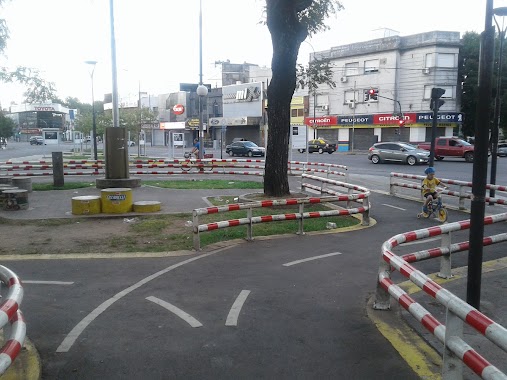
pixel 502 150
pixel 397 152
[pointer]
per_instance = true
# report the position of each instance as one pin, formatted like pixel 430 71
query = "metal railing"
pixel 11 316
pixel 300 216
pixel 211 166
pixel 457 351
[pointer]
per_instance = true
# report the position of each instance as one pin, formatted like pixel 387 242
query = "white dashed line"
pixel 177 311
pixel 311 259
pixel 397 208
pixel 232 318
pixel 71 337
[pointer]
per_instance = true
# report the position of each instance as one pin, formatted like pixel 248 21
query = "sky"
pixel 157 41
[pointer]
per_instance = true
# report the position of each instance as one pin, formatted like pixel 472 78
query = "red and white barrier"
pixel 10 313
pixel 459 308
pixel 250 220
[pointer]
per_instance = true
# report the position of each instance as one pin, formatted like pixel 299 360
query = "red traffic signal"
pixel 401 123
pixel 371 91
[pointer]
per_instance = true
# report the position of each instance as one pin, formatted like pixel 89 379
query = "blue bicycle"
pixel 435 209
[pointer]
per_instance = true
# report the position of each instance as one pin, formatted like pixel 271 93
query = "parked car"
pixel 502 150
pixel 36 140
pixel 245 148
pixel 450 147
pixel 321 146
pixel 397 152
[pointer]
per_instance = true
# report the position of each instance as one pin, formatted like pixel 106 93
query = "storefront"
pixel 33 118
pixel 361 131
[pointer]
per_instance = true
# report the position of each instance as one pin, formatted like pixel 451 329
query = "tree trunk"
pixel 286 36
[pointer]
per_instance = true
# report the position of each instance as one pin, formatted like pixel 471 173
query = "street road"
pixel 358 163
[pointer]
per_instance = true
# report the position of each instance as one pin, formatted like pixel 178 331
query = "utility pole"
pixel 436 103
pixel 480 171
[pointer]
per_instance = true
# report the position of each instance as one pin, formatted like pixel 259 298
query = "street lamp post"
pixel 502 12
pixel 202 90
pixel 94 123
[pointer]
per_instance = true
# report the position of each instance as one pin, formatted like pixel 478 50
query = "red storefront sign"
pixel 323 121
pixel 390 119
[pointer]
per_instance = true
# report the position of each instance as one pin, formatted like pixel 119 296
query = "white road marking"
pixel 47 282
pixel 175 310
pixel 310 259
pixel 71 337
pixel 397 208
pixel 232 318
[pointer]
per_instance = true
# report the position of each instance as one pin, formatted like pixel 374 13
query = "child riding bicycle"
pixel 429 187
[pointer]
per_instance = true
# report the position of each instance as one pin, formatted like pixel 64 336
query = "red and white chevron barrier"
pixel 459 308
pixel 10 313
pixel 300 216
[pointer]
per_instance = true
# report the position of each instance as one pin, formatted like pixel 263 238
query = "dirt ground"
pixel 106 235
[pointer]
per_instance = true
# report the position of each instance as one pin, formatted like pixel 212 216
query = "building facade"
pixel 383 81
pixel 32 119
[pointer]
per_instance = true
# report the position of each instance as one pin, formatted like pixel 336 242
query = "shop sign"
pixel 390 119
pixel 192 123
pixel 178 109
pixel 321 121
pixel 450 117
pixel 349 120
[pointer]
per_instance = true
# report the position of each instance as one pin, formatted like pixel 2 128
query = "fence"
pixel 457 351
pixel 462 194
pixel 250 220
pixel 10 313
pixel 166 167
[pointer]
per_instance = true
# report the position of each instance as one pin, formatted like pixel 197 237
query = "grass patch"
pixel 268 228
pixel 210 184
pixel 66 186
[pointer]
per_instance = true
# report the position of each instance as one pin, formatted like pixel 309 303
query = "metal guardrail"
pixel 250 220
pixel 462 194
pixel 457 351
pixel 165 167
pixel 10 314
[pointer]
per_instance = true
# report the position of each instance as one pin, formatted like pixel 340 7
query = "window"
pixel 444 60
pixel 297 112
pixel 449 91
pixel 371 66
pixel 441 142
pixel 351 68
pixel 351 97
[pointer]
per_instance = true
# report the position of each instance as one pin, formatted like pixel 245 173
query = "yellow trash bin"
pixel 116 200
pixel 86 205
pixel 147 206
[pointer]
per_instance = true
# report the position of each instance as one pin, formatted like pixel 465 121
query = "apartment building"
pixel 383 81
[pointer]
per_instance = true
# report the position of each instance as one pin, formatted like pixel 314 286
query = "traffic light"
pixel 436 94
pixel 401 123
pixel 373 94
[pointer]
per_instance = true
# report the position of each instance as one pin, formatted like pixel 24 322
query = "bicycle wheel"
pixel 442 215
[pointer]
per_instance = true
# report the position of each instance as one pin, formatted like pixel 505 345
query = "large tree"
pixel 7 126
pixel 290 22
pixel 468 77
